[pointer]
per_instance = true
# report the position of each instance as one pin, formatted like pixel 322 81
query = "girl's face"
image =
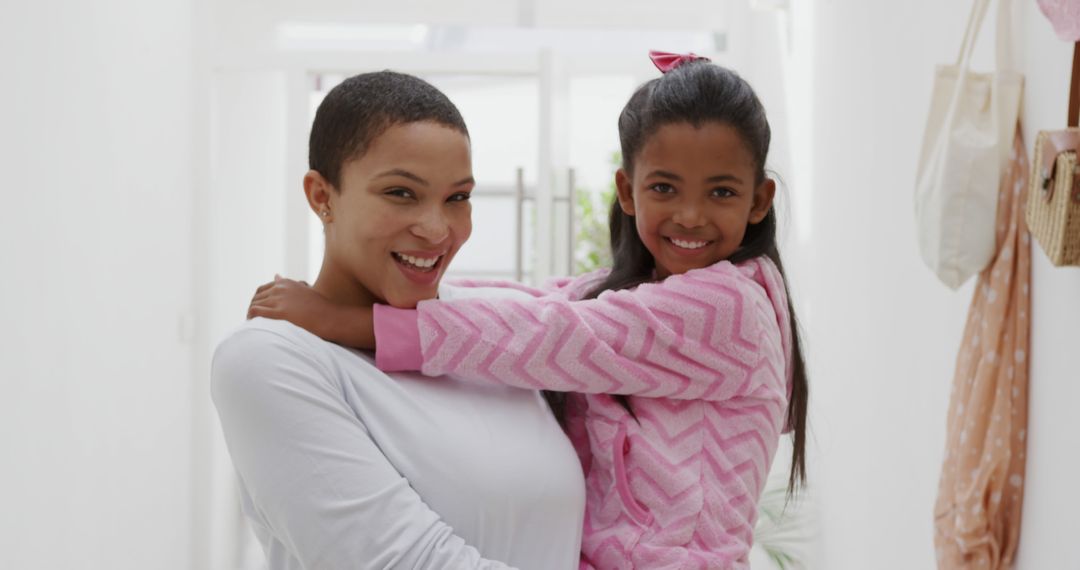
pixel 400 216
pixel 692 195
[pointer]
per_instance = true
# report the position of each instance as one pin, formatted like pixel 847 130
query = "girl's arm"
pixel 313 471
pixel 713 333
pixel 571 287
pixel 296 302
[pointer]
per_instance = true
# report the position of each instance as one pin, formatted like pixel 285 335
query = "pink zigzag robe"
pixel 706 359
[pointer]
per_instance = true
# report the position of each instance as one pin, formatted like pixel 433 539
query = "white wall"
pixel 95 151
pixel 245 217
pixel 1051 496
pixel 881 334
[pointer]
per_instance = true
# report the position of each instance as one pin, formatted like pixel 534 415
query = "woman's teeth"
pixel 689 244
pixel 418 262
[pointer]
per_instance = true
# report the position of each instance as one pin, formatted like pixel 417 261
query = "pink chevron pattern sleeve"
pixel 397 337
pixel 572 287
pixel 397 332
pixel 713 333
pixel 499 284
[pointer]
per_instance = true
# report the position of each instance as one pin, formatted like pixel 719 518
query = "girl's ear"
pixel 318 191
pixel 624 192
pixel 763 199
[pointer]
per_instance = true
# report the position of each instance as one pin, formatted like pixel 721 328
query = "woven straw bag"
pixel 1053 209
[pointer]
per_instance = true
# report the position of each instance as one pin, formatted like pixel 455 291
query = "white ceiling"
pixel 596 14
pixel 493 28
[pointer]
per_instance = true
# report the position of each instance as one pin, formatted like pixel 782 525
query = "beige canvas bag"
pixel 965 151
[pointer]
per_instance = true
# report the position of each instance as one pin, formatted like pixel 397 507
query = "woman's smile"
pixel 422 268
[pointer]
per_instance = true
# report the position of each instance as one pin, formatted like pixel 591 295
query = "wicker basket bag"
pixel 1053 208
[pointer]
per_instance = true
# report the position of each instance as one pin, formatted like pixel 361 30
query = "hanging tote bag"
pixel 965 150
pixel 1053 208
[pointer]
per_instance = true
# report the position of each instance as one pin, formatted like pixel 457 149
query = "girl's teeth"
pixel 689 244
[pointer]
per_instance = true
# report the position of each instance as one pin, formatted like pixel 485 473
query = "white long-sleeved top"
pixel 344 466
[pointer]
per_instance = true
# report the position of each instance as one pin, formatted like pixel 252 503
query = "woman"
pixel 341 466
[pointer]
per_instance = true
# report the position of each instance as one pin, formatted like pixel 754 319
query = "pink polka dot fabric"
pixel 1065 16
pixel 977 515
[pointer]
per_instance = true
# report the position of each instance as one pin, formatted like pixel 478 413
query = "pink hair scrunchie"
pixel 1065 16
pixel 665 61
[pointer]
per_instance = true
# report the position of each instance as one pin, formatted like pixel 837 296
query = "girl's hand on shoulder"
pixel 293 301
pixel 296 302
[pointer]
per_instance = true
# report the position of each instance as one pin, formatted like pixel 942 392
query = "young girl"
pixel 682 363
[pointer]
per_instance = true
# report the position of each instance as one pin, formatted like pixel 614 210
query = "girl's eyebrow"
pixel 710 180
pixel 406 174
pixel 664 174
pixel 724 178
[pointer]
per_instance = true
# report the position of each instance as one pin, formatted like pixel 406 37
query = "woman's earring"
pixel 325 213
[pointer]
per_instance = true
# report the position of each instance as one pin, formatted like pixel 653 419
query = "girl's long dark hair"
pixel 699 92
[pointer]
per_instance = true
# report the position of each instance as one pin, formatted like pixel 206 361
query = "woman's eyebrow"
pixel 404 174
pixel 415 178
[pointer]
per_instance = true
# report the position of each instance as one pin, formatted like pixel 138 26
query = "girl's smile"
pixel 689 249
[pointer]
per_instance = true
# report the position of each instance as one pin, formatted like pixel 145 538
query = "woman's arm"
pixel 710 334
pixel 312 470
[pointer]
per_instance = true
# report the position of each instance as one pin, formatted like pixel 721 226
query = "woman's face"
pixel 400 215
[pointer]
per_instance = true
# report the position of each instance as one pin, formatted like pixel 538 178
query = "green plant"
pixel 592 249
pixel 782 525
